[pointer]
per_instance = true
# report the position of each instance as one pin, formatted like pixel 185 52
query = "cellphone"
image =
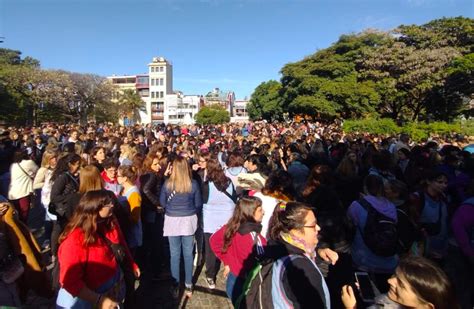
pixel 365 286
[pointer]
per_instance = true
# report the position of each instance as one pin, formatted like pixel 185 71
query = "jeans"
pixel 234 287
pixel 186 242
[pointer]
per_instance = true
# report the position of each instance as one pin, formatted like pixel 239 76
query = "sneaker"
pixel 210 283
pixel 188 291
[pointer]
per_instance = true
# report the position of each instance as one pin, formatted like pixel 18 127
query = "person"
pixel 65 179
pixel 109 175
pixel 126 177
pixel 217 210
pixel 42 186
pixel 181 198
pixel 431 214
pixel 98 156
pixel 364 258
pixel 235 167
pixel 90 274
pixel 278 187
pixel 23 171
pixel 417 283
pixel 152 214
pixel 234 244
pixel 293 237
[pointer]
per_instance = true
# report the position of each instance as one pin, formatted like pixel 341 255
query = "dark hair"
pixel 110 162
pixel 428 282
pixel 287 217
pixel 95 150
pixel 279 181
pixel 20 155
pixel 320 175
pixel 235 159
pixel 243 212
pixel 86 215
pixel 373 185
pixel 216 175
pixel 63 164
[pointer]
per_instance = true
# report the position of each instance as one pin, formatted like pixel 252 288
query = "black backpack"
pixel 380 232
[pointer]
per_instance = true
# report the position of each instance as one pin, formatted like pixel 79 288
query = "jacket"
pixel 150 191
pixel 89 266
pixel 241 253
pixel 297 281
pixel 22 175
pixel 24 243
pixel 181 204
pixel 63 194
pixel 362 257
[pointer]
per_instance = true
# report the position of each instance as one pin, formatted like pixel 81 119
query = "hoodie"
pixel 362 257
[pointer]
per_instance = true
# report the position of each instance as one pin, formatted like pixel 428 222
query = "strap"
pixel 170 197
pixel 232 197
pixel 31 177
pixel 364 203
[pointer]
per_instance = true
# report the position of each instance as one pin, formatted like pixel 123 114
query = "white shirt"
pixel 21 183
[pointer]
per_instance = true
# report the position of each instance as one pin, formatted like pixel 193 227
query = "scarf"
pixel 299 243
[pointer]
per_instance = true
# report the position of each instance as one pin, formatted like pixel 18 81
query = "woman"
pixel 234 243
pixel 181 198
pixel 417 283
pixel 90 274
pixel 292 246
pixel 42 184
pixel 278 188
pixel 152 213
pixel 235 166
pixel 365 255
pixel 23 171
pixel 431 214
pixel 98 156
pixel 63 196
pixel 127 177
pixel 217 211
pixel 109 175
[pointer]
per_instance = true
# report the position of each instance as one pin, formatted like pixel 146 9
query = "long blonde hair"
pixel 180 178
pixel 89 179
pixel 47 156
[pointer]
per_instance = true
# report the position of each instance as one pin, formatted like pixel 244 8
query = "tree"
pixel 326 84
pixel 213 114
pixel 265 102
pixel 89 93
pixel 130 104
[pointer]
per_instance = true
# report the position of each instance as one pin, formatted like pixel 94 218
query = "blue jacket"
pixel 181 204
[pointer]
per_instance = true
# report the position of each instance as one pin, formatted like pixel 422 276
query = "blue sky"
pixel 230 44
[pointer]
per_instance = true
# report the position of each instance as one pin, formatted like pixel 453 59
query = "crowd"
pixel 298 215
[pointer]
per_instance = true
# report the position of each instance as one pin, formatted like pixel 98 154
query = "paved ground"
pixel 149 294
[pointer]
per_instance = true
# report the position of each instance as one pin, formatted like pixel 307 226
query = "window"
pixel 161 69
pixel 144 92
pixel 162 94
pixel 153 82
pixel 161 81
pixel 152 94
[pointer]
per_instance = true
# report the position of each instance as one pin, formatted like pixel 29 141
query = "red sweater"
pixel 238 255
pixel 91 266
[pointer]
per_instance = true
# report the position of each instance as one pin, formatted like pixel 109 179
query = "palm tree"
pixel 130 104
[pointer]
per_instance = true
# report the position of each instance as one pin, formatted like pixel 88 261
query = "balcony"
pixel 155 117
pixel 157 109
pixel 142 85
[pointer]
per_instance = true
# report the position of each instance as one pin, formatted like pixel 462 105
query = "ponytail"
pixel 287 216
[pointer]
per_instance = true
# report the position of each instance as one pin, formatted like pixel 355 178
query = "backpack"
pixel 257 288
pixel 431 228
pixel 380 232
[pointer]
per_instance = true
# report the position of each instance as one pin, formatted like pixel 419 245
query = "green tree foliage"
pixel 130 104
pixel 265 102
pixel 326 84
pixel 415 72
pixel 29 94
pixel 214 114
